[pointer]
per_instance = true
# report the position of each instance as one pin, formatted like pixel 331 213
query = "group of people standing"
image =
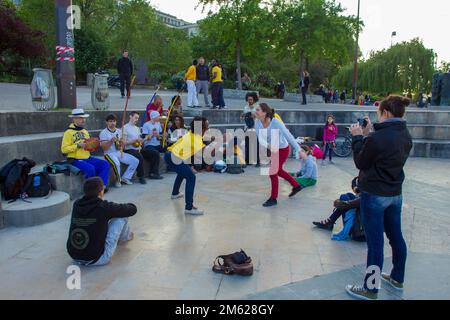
pixel 198 78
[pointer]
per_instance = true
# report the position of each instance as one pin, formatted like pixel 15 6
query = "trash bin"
pixel 42 90
pixel 100 92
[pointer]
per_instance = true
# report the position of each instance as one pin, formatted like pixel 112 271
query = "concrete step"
pixel 39 211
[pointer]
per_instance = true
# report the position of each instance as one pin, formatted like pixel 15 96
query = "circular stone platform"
pixel 39 211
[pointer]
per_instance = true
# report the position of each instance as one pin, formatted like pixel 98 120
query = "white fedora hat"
pixel 78 113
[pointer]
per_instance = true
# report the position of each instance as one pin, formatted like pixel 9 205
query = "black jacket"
pixel 89 226
pixel 203 73
pixel 381 157
pixel 125 67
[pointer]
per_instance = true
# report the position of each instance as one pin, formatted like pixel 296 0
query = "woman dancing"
pixel 266 126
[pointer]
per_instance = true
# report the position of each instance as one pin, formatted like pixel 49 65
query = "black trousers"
pixel 151 154
pixel 140 169
pixel 304 90
pixel 248 159
pixel 125 81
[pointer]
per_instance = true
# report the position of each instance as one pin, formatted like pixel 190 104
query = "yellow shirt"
pixel 217 70
pixel 191 73
pixel 187 146
pixel 71 138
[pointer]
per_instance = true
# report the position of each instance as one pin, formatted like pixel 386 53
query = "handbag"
pixel 236 263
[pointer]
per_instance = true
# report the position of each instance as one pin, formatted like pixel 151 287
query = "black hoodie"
pixel 381 157
pixel 89 226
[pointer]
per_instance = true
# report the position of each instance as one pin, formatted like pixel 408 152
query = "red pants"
pixel 277 161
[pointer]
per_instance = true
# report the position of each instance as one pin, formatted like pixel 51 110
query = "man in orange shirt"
pixel 191 77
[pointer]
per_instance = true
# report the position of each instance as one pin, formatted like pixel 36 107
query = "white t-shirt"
pixel 176 134
pixel 131 132
pixel 251 109
pixel 276 130
pixel 107 135
pixel 148 129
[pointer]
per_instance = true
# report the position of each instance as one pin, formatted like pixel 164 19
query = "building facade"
pixel 174 22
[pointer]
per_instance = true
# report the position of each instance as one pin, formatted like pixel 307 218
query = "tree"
pixel 91 53
pixel 18 40
pixel 405 68
pixel 312 29
pixel 240 26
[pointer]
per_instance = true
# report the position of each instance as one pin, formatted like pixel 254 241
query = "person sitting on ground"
pixel 156 105
pixel 307 176
pixel 97 226
pixel 133 143
pixel 152 133
pixel 74 147
pixel 177 129
pixel 177 108
pixel 345 202
pixel 111 142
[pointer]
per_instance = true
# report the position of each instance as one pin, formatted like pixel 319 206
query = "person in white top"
pixel 133 143
pixel 273 135
pixel 177 129
pixel 111 144
pixel 152 132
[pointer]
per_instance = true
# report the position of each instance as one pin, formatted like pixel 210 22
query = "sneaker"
pixel 126 181
pixel 191 107
pixel 197 106
pixel 214 107
pixel 194 211
pixel 394 284
pixel 359 292
pixel 142 180
pixel 155 177
pixel 118 184
pixel 225 107
pixel 323 163
pixel 208 106
pixel 295 191
pixel 177 196
pixel 326 225
pixel 270 203
pixel 330 161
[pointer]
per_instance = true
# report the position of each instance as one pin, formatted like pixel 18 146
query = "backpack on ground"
pixel 38 185
pixel 236 263
pixel 13 177
pixel 357 232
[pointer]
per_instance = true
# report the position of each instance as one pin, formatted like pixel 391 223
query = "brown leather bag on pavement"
pixel 235 263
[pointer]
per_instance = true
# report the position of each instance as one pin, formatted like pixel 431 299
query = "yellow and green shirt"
pixel 71 138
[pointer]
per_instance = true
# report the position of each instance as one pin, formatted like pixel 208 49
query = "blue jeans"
pixel 329 150
pixel 93 167
pixel 118 229
pixel 379 215
pixel 337 213
pixel 183 172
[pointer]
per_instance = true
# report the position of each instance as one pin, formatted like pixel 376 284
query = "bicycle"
pixel 343 147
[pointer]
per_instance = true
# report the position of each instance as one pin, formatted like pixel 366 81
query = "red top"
pixel 152 107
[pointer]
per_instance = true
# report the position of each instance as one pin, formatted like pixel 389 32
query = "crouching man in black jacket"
pixel 97 226
pixel 380 157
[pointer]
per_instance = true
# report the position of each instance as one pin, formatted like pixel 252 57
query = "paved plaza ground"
pixel 16 97
pixel 172 254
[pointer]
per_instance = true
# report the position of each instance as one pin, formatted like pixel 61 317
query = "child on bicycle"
pixel 330 132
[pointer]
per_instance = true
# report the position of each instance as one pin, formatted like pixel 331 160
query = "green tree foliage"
pixel 405 68
pixel 239 28
pixel 108 27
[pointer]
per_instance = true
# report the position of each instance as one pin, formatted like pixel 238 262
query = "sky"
pixel 426 19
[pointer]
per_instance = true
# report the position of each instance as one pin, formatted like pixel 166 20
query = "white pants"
pixel 117 157
pixel 192 93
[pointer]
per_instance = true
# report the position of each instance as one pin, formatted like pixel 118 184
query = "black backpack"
pixel 249 121
pixel 38 185
pixel 357 232
pixel 13 177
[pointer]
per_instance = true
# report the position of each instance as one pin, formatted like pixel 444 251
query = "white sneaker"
pixel 194 212
pixel 118 184
pixel 178 196
pixel 126 181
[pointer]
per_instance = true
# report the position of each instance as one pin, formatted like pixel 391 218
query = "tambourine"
pixel 92 144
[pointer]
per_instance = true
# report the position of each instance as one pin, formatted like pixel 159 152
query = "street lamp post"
pixel 65 62
pixel 394 33
pixel 355 71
